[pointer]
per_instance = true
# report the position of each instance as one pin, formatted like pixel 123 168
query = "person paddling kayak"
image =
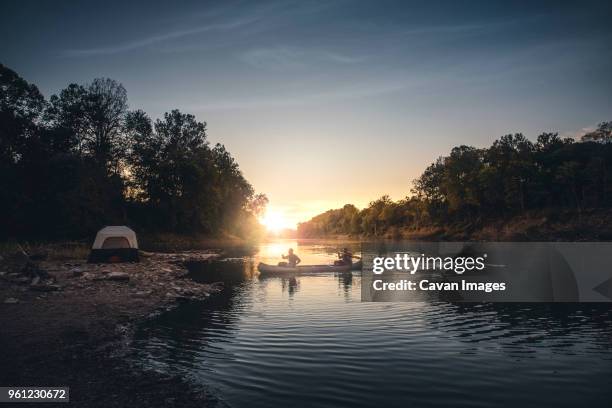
pixel 292 259
pixel 346 257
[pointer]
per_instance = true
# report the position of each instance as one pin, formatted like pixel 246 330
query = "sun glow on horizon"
pixel 288 215
pixel 275 221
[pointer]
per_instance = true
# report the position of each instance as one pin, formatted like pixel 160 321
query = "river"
pixel 309 341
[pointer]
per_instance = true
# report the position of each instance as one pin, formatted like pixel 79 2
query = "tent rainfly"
pixel 114 244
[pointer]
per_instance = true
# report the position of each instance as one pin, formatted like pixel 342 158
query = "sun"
pixel 274 221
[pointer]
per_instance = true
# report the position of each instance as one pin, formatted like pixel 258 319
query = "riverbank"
pixel 590 225
pixel 69 323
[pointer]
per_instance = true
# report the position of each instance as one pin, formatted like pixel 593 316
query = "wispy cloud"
pixel 577 134
pixel 154 39
pixel 479 27
pixel 231 18
pixel 357 89
pixel 284 57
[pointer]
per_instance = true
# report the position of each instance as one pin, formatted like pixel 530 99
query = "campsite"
pixel 79 318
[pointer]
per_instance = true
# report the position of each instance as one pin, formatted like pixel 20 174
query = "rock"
pixel 20 279
pixel 45 288
pixel 11 300
pixel 2 273
pixel 76 272
pixel 145 254
pixel 216 287
pixel 118 276
pixel 35 280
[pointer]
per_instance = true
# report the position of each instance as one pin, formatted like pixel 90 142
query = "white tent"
pixel 116 236
pixel 114 244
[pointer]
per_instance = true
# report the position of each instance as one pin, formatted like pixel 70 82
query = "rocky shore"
pixel 70 323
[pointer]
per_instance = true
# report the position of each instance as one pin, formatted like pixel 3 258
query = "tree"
pixel 83 160
pixel 177 176
pixel 512 158
pixel 603 134
pixel 21 107
pixel 568 176
pixel 257 204
pixel 510 177
pixel 143 156
pixel 459 183
pixel 93 115
pixel 548 141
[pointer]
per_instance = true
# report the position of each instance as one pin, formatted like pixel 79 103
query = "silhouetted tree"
pixel 92 116
pixel 471 186
pixel 83 160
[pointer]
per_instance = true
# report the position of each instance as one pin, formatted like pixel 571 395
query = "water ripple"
pixel 310 342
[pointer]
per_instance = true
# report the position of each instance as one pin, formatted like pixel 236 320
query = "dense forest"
pixel 82 159
pixel 472 187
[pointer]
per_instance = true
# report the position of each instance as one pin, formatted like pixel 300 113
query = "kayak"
pixel 269 269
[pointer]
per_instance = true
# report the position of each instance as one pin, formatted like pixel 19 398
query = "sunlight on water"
pixel 310 252
pixel 309 341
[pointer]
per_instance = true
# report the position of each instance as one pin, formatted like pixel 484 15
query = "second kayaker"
pixel 345 257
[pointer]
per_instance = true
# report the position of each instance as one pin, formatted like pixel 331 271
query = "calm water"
pixel 309 341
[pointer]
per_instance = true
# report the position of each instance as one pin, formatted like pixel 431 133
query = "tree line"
pixel 82 159
pixel 472 186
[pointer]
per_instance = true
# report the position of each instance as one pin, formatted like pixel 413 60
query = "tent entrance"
pixel 114 244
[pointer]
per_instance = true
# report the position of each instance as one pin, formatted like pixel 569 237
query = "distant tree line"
pixel 81 160
pixel 473 186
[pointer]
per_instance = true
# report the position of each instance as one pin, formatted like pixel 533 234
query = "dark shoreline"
pixel 79 335
pixel 590 225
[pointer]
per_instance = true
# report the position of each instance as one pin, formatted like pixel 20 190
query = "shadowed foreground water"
pixel 309 341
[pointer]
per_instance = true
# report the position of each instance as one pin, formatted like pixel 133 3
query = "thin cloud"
pixel 360 90
pixel 144 42
pixel 282 57
pixel 483 27
pixel 237 17
pixel 577 134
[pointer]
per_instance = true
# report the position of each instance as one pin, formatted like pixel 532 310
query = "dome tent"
pixel 114 244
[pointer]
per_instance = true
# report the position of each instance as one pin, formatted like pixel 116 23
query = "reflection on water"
pixel 309 341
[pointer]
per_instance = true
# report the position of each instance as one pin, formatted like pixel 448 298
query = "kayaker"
pixel 346 257
pixel 292 259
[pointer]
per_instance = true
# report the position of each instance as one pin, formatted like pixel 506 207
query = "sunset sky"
pixel 326 103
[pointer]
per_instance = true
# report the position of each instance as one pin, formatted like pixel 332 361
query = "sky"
pixel 331 102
